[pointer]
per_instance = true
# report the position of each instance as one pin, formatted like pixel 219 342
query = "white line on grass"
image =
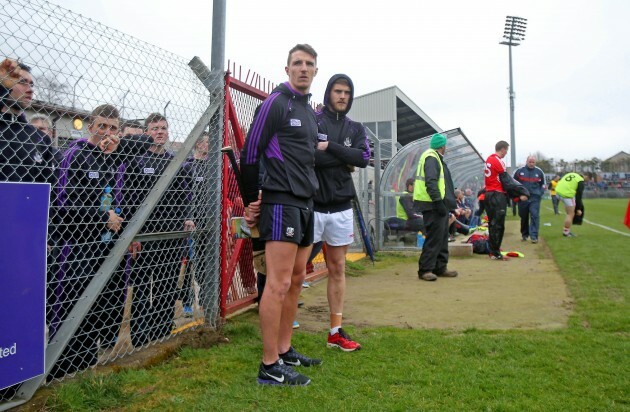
pixel 598 225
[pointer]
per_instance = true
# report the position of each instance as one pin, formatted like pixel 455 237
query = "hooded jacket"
pixel 284 135
pixel 347 146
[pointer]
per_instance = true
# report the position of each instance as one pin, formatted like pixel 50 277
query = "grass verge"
pixel 581 367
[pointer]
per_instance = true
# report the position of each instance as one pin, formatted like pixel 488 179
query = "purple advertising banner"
pixel 23 249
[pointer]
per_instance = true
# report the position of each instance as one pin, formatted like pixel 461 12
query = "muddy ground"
pixel 524 293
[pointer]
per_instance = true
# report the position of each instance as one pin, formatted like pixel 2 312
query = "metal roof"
pixel 463 160
pixel 391 104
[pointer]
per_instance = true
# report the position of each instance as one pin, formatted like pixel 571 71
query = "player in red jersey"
pixel 496 199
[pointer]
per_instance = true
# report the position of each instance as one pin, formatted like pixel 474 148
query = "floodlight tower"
pixel 513 34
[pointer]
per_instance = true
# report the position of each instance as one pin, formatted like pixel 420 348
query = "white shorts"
pixel 336 229
pixel 568 201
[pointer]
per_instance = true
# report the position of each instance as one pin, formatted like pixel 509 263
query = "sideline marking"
pixel 598 225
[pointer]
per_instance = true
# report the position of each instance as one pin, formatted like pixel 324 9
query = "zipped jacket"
pixel 347 146
pixel 284 135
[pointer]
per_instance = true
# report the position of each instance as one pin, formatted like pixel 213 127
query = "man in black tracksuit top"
pixel 284 135
pixel 89 198
pixel 342 145
pixel 156 269
pixel 26 154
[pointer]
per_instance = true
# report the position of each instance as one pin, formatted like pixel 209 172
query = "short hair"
pixel 204 136
pixel 306 48
pixel 154 118
pixel 40 118
pixel 501 144
pixel 411 181
pixel 107 111
pixel 132 123
pixel 24 67
pixel 457 192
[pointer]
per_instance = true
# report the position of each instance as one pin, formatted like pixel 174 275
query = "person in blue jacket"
pixel 533 179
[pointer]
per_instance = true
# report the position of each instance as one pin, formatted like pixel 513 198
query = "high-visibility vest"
pixel 420 188
pixel 401 213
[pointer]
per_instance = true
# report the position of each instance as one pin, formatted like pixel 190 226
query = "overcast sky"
pixel 571 74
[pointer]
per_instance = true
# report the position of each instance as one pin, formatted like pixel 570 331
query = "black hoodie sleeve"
pixel 267 120
pixel 358 154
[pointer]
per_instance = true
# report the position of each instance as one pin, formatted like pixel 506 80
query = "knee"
pixel 298 278
pixel 278 288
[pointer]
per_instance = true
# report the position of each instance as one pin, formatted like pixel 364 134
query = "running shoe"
pixel 295 358
pixel 534 240
pixel 295 324
pixel 306 285
pixel 500 257
pixel 342 341
pixel 570 234
pixel 280 374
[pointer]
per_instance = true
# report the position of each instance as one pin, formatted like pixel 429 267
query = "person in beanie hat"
pixel 434 196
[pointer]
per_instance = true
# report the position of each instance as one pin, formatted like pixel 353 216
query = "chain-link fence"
pixel 129 137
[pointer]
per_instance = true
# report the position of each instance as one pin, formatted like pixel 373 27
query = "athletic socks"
pixel 334 330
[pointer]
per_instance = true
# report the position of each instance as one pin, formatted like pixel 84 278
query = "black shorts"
pixel 286 223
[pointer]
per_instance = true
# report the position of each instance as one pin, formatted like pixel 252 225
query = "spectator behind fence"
pixel 342 145
pixel 196 169
pixel 533 178
pixel 434 196
pixel 130 128
pixel 90 199
pixel 26 154
pixel 156 269
pixel 284 134
pixel 42 123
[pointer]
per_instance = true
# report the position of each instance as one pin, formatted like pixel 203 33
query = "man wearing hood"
pixel 342 145
pixel 283 135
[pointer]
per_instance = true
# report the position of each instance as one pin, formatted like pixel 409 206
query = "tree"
pixel 50 90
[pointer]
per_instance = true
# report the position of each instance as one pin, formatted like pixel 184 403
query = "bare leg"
pixel 289 308
pixel 336 264
pixel 280 259
pixel 568 221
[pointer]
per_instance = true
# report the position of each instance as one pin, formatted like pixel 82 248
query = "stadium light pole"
pixel 513 34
